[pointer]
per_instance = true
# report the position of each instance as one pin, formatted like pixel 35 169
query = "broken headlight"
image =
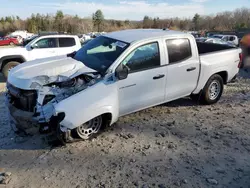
pixel 67 83
pixel 35 85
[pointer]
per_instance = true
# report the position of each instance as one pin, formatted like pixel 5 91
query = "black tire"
pixel 12 43
pixel 211 95
pixel 9 66
pixel 195 97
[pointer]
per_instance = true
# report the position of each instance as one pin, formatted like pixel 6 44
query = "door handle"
pixel 191 69
pixel 158 76
pixel 52 51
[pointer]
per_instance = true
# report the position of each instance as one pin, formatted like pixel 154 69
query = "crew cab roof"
pixel 133 35
pixel 57 35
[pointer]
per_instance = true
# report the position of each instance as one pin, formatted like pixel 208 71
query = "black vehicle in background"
pixel 27 40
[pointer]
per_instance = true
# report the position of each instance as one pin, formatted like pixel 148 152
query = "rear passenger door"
pixel 66 45
pixel 183 68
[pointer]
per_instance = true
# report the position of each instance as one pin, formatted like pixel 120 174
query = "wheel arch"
pixel 73 121
pixel 203 81
pixel 4 60
pixel 224 76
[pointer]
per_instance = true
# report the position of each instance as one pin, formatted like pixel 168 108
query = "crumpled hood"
pixel 44 71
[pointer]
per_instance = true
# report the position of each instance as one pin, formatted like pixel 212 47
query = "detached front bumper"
pixel 22 121
pixel 32 123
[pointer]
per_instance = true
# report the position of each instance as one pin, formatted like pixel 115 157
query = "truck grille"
pixel 22 99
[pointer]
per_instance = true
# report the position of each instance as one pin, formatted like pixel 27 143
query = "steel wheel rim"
pixel 214 90
pixel 85 130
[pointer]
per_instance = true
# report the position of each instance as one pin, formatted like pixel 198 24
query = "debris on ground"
pixel 178 144
pixel 5 177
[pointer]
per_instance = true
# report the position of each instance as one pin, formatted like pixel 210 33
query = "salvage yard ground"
pixel 179 144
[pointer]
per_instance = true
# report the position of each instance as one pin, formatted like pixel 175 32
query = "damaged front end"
pixel 33 110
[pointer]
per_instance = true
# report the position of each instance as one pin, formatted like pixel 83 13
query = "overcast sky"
pixel 121 9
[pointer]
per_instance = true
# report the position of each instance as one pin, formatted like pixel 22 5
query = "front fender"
pixel 94 101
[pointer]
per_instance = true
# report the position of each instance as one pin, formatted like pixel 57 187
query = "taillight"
pixel 241 58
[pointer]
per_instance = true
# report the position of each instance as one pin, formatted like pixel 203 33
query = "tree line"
pixel 224 21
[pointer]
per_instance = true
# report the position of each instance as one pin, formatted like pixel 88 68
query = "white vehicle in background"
pixel 24 34
pixel 228 38
pixel 114 75
pixel 40 47
pixel 214 41
pixel 84 37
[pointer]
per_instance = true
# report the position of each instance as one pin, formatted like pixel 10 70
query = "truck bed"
pixel 216 58
pixel 204 48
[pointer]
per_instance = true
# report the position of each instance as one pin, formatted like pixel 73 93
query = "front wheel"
pixel 8 66
pixel 90 128
pixel 212 90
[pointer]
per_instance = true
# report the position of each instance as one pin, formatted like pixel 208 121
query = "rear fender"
pixel 205 77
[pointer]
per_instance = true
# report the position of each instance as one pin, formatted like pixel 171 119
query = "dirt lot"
pixel 180 144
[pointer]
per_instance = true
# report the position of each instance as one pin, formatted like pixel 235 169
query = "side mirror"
pixel 33 46
pixel 121 72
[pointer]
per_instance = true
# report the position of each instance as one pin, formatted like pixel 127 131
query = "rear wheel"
pixel 212 90
pixel 12 43
pixel 10 65
pixel 89 129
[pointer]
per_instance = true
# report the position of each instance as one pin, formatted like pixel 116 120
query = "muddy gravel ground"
pixel 179 144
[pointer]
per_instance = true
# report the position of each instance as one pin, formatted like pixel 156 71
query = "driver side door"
pixel 45 47
pixel 145 84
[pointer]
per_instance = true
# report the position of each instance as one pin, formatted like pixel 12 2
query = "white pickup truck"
pixel 114 75
pixel 40 47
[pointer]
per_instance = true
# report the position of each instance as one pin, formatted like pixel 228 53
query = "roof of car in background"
pixel 133 35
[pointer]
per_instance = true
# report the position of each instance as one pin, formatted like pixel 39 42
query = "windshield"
pixel 100 53
pixel 29 41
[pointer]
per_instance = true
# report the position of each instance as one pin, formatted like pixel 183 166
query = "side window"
pixel 143 57
pixel 225 38
pixel 231 38
pixel 178 50
pixel 46 43
pixel 67 42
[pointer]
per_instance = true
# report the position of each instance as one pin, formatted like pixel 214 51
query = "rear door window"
pixel 178 50
pixel 67 42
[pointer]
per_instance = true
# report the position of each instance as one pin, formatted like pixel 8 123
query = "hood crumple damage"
pixel 45 71
pixel 59 78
